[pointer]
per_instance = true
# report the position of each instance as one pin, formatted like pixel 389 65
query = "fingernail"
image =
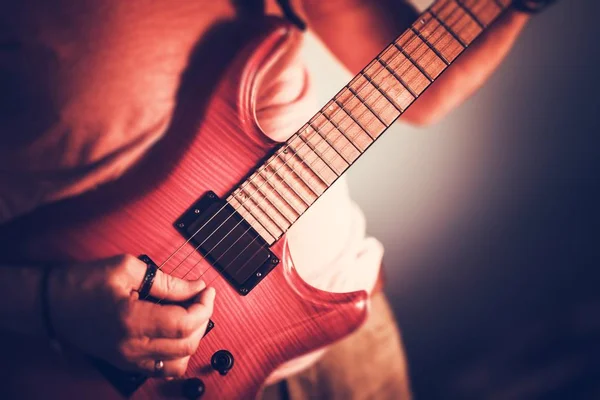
pixel 200 284
pixel 210 293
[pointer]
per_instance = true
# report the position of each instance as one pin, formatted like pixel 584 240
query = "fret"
pixel 311 178
pixel 330 145
pixel 450 44
pixel 380 89
pixel 471 14
pixel 366 104
pixel 384 110
pixel 290 188
pixel 340 132
pixel 243 205
pixel 398 78
pixel 361 113
pixel 458 20
pixel 265 219
pixel 341 106
pixel 447 28
pixel 285 206
pixel 486 11
pixel 340 144
pixel 416 64
pixel 293 179
pixel 429 63
pixel 249 217
pixel 415 80
pixel 387 84
pixel 378 98
pixel 270 201
pixel 347 131
pixel 310 156
pixel 430 45
pixel 339 161
pixel 300 171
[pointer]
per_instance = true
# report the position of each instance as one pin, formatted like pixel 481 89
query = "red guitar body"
pixel 280 319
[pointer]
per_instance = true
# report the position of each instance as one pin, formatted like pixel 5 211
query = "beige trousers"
pixel 369 364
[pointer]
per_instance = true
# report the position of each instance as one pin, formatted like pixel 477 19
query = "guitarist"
pixel 88 86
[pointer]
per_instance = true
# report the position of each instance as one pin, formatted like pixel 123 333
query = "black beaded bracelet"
pixel 531 6
pixel 46 316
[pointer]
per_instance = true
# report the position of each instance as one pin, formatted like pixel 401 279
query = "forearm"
pixel 356 30
pixel 469 72
pixel 20 300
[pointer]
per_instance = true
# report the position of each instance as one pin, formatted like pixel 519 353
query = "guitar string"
pixel 422 44
pixel 373 91
pixel 284 163
pixel 267 178
pixel 314 133
pixel 235 209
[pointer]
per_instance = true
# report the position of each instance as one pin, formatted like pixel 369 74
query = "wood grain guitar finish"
pixel 282 317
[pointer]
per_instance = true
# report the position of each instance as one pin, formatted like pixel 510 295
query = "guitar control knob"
pixel 193 388
pixel 222 361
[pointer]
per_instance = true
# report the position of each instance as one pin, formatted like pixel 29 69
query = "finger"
pixel 170 288
pixel 170 349
pixel 205 299
pixel 203 306
pixel 173 321
pixel 171 368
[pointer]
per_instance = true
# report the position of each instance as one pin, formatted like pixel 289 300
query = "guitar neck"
pixel 299 171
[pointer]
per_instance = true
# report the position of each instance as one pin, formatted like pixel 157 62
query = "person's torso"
pixel 88 86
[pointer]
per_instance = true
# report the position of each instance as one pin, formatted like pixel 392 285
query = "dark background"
pixel 491 225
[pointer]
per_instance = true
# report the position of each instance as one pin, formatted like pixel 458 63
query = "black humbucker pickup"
pixel 227 241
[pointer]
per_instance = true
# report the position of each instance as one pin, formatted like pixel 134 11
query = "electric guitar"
pixel 225 195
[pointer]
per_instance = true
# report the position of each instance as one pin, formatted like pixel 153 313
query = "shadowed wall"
pixel 491 226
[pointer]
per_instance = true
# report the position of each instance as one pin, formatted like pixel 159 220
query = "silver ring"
pixel 158 365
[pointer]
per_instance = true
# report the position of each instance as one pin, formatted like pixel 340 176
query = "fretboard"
pixel 302 169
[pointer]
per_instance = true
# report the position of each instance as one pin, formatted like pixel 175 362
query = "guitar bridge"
pixel 227 241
